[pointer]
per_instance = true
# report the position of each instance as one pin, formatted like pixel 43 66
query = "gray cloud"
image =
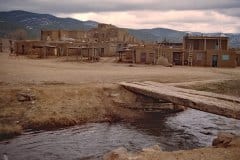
pixel 207 15
pixel 235 12
pixel 82 6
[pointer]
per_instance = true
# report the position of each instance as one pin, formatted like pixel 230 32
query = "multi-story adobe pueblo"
pixel 194 51
pixel 108 40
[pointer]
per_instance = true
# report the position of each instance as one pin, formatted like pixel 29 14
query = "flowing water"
pixel 185 130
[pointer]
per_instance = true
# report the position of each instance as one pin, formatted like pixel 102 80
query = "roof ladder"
pixel 190 56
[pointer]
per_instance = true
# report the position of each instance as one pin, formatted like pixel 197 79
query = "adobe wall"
pixel 231 62
pixel 228 63
pixel 25 47
pixel 52 34
pixel 238 59
pixel 199 58
pixel 149 54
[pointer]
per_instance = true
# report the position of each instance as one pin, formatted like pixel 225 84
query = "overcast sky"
pixel 185 15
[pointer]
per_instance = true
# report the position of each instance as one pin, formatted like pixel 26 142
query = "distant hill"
pixel 157 34
pixel 160 34
pixel 32 23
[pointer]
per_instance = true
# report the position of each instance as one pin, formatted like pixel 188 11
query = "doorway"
pixel 214 61
pixel 102 52
pixel 143 57
pixel 177 58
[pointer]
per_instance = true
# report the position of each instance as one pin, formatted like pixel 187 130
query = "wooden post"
pixel 81 53
pixel 88 53
pixel 183 57
pixel 44 52
pixel 205 44
pixel 1 47
pixel 92 54
pixel 77 53
pixel 67 54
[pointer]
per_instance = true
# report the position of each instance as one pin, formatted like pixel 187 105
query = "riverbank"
pixel 51 106
pixel 225 147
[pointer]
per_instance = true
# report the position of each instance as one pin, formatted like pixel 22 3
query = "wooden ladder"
pixel 190 56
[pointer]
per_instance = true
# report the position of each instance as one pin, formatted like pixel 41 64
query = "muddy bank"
pixel 225 146
pixel 53 105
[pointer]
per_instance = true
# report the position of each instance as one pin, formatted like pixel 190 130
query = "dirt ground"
pixel 24 70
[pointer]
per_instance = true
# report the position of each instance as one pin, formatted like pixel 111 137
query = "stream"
pixel 185 130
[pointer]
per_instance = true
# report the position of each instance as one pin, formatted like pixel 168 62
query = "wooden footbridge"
pixel 228 106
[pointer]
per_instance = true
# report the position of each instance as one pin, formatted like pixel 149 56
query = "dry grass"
pixel 228 87
pixel 9 130
pixel 62 105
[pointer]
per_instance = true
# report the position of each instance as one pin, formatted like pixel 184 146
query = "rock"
pixel 151 149
pixel 117 154
pixel 235 142
pixel 5 156
pixel 114 95
pixel 223 140
pixel 179 108
pixel 25 96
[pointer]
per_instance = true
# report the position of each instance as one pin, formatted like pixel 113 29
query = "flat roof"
pixel 205 37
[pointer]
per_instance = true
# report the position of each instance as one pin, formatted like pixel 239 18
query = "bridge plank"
pixel 228 106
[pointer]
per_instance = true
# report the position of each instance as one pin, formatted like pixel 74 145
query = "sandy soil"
pixel 24 70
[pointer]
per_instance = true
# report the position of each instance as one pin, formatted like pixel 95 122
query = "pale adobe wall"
pixel 63 34
pixel 110 49
pixel 5 45
pixel 168 53
pixel 25 47
pixel 52 34
pixel 149 51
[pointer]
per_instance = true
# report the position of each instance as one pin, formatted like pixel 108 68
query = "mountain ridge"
pixel 32 23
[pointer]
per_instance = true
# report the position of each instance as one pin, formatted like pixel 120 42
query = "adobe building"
pixel 54 48
pixel 166 55
pixel 25 47
pixel 106 35
pixel 172 51
pixel 208 51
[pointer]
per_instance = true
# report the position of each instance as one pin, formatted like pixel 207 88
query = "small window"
pixel 225 57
